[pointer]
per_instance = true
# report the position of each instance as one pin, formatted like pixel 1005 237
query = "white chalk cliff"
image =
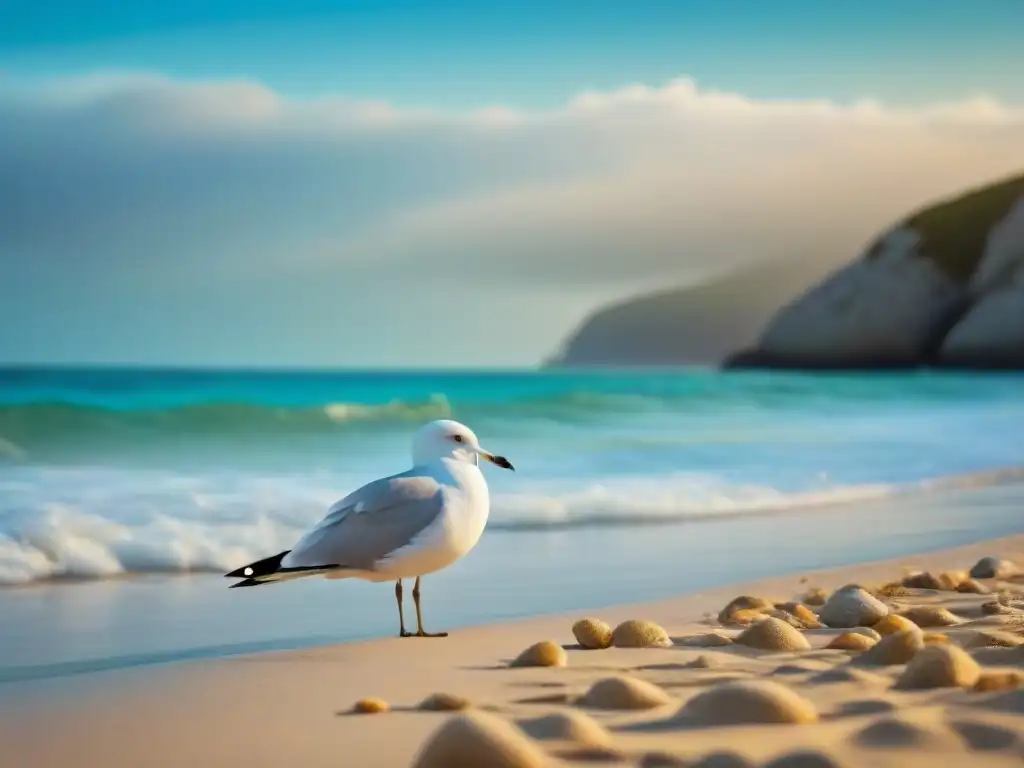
pixel 993 328
pixel 880 309
pixel 943 287
pixel 992 332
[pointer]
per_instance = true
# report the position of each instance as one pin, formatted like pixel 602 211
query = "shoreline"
pixel 97 629
pixel 287 703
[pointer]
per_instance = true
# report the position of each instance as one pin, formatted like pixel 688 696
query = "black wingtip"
pixel 246 583
pixel 264 567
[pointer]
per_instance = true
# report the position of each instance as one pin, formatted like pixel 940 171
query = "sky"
pixel 392 184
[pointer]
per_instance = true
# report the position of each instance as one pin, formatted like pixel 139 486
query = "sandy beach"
pixel 566 385
pixel 717 693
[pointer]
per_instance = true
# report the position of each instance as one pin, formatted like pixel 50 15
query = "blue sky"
pixel 532 53
pixel 314 183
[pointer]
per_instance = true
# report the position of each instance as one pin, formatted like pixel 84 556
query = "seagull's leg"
pixel 419 614
pixel 401 615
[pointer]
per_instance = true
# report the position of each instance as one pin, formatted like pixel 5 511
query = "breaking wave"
pixel 180 524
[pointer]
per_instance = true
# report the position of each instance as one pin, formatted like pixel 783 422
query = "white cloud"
pixel 143 188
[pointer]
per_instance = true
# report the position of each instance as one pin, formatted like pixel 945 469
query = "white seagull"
pixel 410 524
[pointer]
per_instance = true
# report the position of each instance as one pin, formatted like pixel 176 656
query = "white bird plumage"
pixel 402 526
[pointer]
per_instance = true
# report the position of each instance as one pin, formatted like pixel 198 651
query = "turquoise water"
pixel 125 494
pixel 107 472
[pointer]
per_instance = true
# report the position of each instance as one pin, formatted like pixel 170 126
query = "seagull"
pixel 397 527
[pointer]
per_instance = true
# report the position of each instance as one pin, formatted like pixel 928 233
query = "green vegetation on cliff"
pixel 954 232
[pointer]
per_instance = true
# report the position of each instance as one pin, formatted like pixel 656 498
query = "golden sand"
pixel 768 694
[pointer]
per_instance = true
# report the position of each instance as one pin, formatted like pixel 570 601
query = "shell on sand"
pixel 940 666
pixel 784 617
pixel 892 589
pixel 477 739
pixel 852 606
pixel 542 654
pixel 993 638
pixel 999 680
pixel 624 693
pixel 866 631
pixel 569 725
pixel 851 641
pixel 371 706
pixel 931 616
pixel 741 605
pixel 993 568
pixel 950 580
pixel 972 587
pixel 802 613
pixel 748 701
pixel 592 633
pixel 936 639
pixel 922 580
pixel 444 702
pixel 639 633
pixel 815 596
pixel 707 640
pixel 898 648
pixel 743 617
pixel 894 623
pixel 946 581
pixel 800 617
pixel 772 634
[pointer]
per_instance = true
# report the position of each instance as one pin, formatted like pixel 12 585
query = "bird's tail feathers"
pixel 255 570
pixel 269 570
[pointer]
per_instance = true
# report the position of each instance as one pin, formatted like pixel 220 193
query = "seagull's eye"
pixel 457 438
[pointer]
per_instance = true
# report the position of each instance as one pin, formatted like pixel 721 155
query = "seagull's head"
pixel 446 439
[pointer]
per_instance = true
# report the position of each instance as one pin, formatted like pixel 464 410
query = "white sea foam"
pixel 104 523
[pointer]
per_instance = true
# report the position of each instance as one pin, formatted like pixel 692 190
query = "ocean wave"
pixel 663 501
pixel 57 417
pixel 46 416
pixel 182 526
pixel 32 430
pixel 28 429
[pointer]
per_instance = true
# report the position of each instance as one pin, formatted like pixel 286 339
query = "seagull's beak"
pixel 498 461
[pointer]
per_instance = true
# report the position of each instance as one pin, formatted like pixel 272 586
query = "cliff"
pixel 697 324
pixel 944 286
